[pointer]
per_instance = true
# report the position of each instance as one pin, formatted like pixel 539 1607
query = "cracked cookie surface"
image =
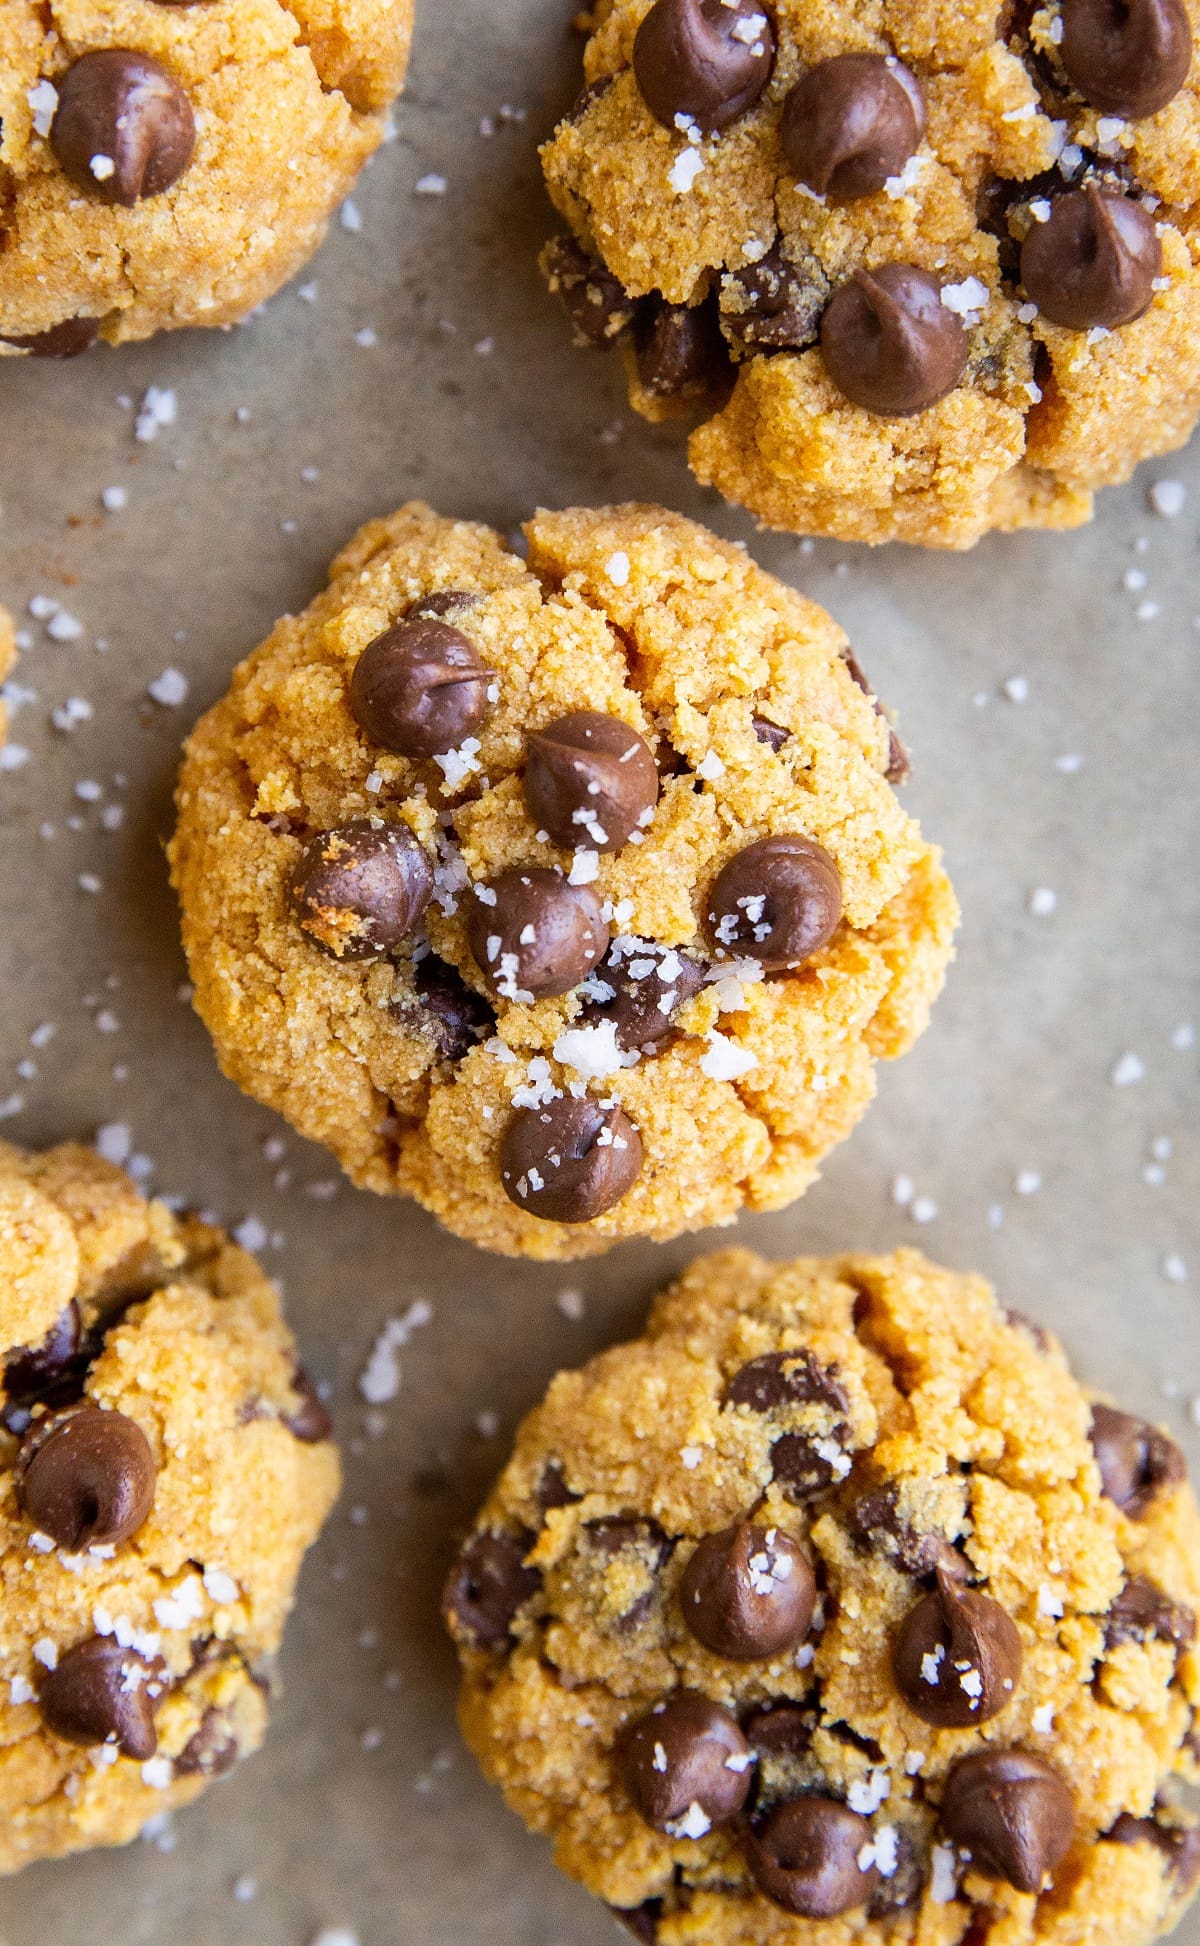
pixel 164 165
pixel 728 261
pixel 164 1464
pixel 554 1046
pixel 832 1609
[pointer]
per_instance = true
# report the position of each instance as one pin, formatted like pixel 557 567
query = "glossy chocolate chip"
pixel 641 993
pixel 570 1161
pixel 452 1013
pixel 1179 1844
pixel 421 688
pixel 124 128
pixel 890 345
pixel 210 1751
pixel 851 123
pixel 778 901
pixel 899 768
pixel 534 935
pixel 774 304
pixel 311 1422
pixel 1137 1461
pixel 487 1588
pixel 805 1857
pixel 86 1477
pixel 686 1766
pixel 1143 1611
pixel 957 1656
pixel 779 1379
pixel 597 304
pixel 875 1519
pixel 102 1693
pixel 782 1730
pixel 1093 261
pixel 708 60
pixel 70 339
pixel 680 351
pixel 748 1593
pixel 1012 1812
pixel 1126 57
pixel 359 890
pixel 590 781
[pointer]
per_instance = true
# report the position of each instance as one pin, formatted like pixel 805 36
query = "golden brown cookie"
pixel 924 269
pixel 832 1609
pixel 166 164
pixel 613 949
pixel 164 1464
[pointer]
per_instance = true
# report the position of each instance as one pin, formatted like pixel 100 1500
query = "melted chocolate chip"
pixel 35 1372
pixel 487 1588
pixel 1137 1461
pixel 748 1593
pixel 590 781
pixel 640 1544
pixel 772 734
pixel 102 1693
pixel 686 1766
pixel 851 123
pixel 782 1730
pixel 708 60
pixel 1179 1844
pixel 778 901
pixel 680 351
pixel 1126 57
pixel 358 891
pixel 212 1750
pixel 1012 1812
pixel 890 344
pixel 805 1857
pixel 957 1656
pixel 534 935
pixel 452 1013
pixel 876 1520
pixel 570 1161
pixel 645 993
pixel 779 1379
pixel 899 769
pixel 421 688
pixel 599 307
pixel 124 128
pixel 70 339
pixel 86 1477
pixel 1143 1611
pixel 774 304
pixel 805 1467
pixel 1093 261
pixel 311 1422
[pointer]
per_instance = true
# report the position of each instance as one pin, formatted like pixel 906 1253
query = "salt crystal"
pixel 170 689
pixel 1167 497
pixel 1127 1070
pixel 688 164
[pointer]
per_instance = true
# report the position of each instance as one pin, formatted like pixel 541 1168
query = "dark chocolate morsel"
pixel 705 60
pixel 851 123
pixel 101 1693
pixel 1093 261
pixel 590 781
pixel 686 1766
pixel 124 128
pixel 447 1009
pixel 778 1379
pixel 86 1477
pixel 772 734
pixel 1012 1812
pixel 1126 57
pixel 875 1519
pixel 421 688
pixel 890 344
pixel 680 351
pixel 1143 1611
pixel 899 769
pixel 312 1421
pixel 570 1161
pixel 487 1587
pixel 805 1857
pixel 640 1920
pixel 638 1544
pixel 957 1656
pixel 359 890
pixel 646 992
pixel 777 901
pixel 34 1371
pixel 598 306
pixel 1137 1461
pixel 210 1751
pixel 1178 1843
pixel 748 1593
pixel 781 1730
pixel 774 304
pixel 534 935
pixel 70 339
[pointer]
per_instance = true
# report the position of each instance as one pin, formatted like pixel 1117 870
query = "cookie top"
pixel 614 952
pixel 169 164
pixel 832 1598
pixel 925 268
pixel 164 1464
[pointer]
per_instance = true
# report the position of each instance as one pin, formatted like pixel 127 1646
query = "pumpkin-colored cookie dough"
pixel 568 894
pixel 832 1609
pixel 164 1464
pixel 923 269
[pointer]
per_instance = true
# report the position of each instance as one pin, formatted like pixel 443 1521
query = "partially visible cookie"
pixel 570 894
pixel 923 269
pixel 832 1610
pixel 172 162
pixel 164 1464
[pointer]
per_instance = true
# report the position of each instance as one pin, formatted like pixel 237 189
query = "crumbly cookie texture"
pixel 8 656
pixel 953 1556
pixel 137 199
pixel 722 274
pixel 154 1419
pixel 421 1065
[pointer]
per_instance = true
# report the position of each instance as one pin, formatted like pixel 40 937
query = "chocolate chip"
pixel 804 1857
pixel 359 890
pixel 642 1547
pixel 534 935
pixel 902 1888
pixel 590 780
pixel 421 688
pixel 1093 261
pixel 805 1467
pixel 706 59
pixel 1012 1812
pixel 34 1372
pixel 782 1730
pixel 487 1588
pixel 774 304
pixel 851 123
pixel 645 991
pixel 686 1766
pixel 1142 1611
pixel 569 1161
pixel 311 1422
pixel 452 1013
pixel 102 1693
pixel 1179 1844
pixel 552 1489
pixel 1038 1332
pixel 779 1379
pixel 772 734
pixel 641 1920
pixel 778 902
pixel 957 1656
pixel 86 1477
pixel 212 1750
pixel 890 344
pixel 1126 57
pixel 1136 1460
pixel 70 339
pixel 899 769
pixel 748 1593
pixel 877 1521
pixel 599 307
pixel 124 128
pixel 680 351
pixel 442 602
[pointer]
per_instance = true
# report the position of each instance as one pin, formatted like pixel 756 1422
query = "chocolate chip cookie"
pixel 164 1464
pixel 923 270
pixel 833 1598
pixel 173 162
pixel 568 894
